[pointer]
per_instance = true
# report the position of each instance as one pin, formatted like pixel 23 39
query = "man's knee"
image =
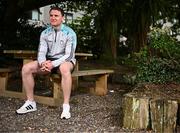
pixel 65 68
pixel 26 69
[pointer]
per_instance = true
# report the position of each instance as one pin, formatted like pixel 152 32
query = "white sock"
pixel 66 107
pixel 31 102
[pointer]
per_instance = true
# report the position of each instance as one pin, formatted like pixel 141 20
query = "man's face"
pixel 56 18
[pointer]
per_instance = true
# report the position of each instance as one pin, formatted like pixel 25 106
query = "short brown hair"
pixel 57 8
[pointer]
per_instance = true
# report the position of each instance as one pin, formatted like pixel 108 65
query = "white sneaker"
pixel 66 112
pixel 28 106
pixel 65 115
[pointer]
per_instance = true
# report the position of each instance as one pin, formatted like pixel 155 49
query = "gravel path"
pixel 90 114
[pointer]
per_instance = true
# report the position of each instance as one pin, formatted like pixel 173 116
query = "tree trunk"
pixel 113 37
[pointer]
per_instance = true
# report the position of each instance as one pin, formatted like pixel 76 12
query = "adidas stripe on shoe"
pixel 28 106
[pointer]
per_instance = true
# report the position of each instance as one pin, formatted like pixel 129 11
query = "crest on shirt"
pixel 61 42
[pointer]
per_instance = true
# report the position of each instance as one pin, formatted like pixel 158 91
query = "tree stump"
pixel 178 114
pixel 151 106
pixel 163 115
pixel 136 112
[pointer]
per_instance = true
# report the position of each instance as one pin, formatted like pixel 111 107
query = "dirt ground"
pixel 90 113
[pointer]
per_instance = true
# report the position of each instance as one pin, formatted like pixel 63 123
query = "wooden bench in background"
pixel 99 89
pixel 4 74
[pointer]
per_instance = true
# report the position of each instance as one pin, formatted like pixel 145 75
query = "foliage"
pixel 161 41
pixel 84 26
pixel 143 13
pixel 104 20
pixel 157 70
pixel 3 4
pixel 163 65
pixel 97 30
pixel 27 37
pixel 85 34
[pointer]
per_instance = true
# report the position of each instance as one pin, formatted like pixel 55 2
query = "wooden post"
pixel 101 85
pixel 75 80
pixel 3 81
pixel 57 92
pixel 136 112
pixel 163 115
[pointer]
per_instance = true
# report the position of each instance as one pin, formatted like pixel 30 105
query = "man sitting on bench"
pixel 56 52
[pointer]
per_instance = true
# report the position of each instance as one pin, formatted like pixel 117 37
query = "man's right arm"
pixel 42 51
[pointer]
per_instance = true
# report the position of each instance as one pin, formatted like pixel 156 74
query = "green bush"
pixel 160 66
pixel 157 70
pixel 165 44
pixel 28 36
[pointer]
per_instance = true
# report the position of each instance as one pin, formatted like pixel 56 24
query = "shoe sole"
pixel 26 112
pixel 65 118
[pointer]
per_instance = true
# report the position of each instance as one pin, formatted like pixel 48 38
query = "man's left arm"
pixel 69 51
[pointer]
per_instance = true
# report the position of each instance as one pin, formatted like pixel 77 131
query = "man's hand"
pixel 46 66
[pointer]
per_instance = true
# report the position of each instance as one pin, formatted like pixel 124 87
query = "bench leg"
pixel 101 86
pixel 3 87
pixel 3 82
pixel 57 98
pixel 57 92
pixel 74 83
pixel 75 80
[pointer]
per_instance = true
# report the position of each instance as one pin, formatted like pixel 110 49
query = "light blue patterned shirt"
pixel 57 44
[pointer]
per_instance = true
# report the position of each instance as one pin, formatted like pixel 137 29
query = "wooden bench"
pixel 99 89
pixel 4 72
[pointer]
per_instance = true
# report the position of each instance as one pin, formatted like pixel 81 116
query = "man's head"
pixel 56 16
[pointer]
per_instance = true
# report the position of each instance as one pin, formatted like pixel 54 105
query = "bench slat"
pixel 87 72
pixel 2 70
pixel 90 72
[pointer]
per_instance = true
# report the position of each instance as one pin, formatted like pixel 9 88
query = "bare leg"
pixel 66 81
pixel 28 79
pixel 28 82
